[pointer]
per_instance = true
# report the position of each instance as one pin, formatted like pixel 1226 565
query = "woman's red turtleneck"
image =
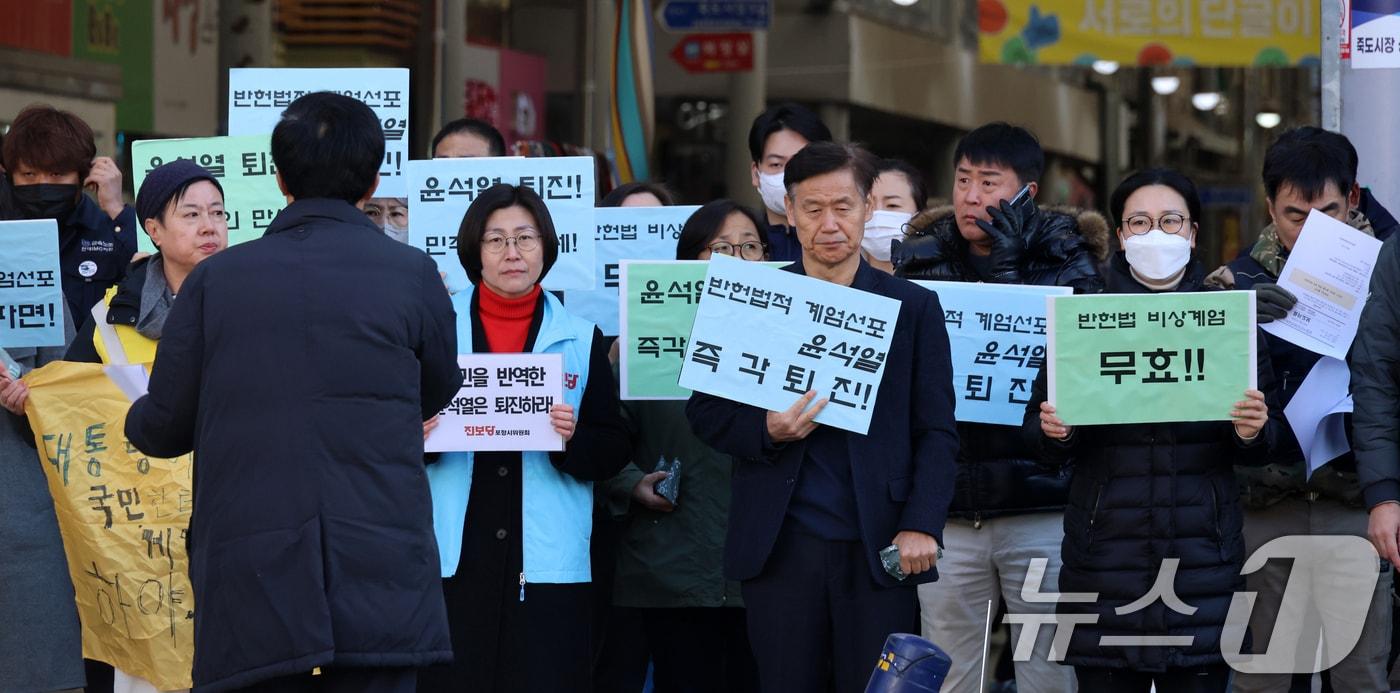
pixel 507 320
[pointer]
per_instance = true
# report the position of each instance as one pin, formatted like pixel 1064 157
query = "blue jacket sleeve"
pixel 932 424
pixel 162 423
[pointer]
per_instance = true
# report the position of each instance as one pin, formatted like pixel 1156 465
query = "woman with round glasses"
pixel 670 561
pixel 1148 500
pixel 513 528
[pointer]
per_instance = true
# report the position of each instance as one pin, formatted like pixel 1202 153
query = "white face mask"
pixel 398 233
pixel 885 226
pixel 1157 254
pixel 770 188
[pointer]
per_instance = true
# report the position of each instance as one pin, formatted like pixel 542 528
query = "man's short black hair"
pixel 328 145
pixel 819 158
pixel 1307 159
pixel 496 144
pixel 785 116
pixel 1006 145
pixel 497 197
pixel 917 189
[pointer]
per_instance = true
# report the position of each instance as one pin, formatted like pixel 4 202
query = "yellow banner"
pixel 1149 32
pixel 123 517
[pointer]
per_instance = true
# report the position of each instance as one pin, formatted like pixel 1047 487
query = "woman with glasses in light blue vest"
pixel 514 528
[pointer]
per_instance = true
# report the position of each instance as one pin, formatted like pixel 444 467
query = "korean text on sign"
pixel 441 190
pixel 257 96
pixel 997 336
pixel 624 233
pixel 31 285
pixel 1149 358
pixel 123 516
pixel 764 337
pixel 243 166
pixel 503 405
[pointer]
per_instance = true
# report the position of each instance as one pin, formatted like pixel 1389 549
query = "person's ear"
pixel 372 190
pixel 1354 197
pixel 869 206
pixel 1035 189
pixel 753 173
pixel 789 208
pixel 282 187
pixel 153 230
pixel 1195 232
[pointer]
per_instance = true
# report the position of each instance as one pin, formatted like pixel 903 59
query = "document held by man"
pixel 1329 270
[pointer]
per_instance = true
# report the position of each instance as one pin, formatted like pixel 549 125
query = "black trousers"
pixel 1206 679
pixel 501 642
pixel 817 620
pixel 691 650
pixel 343 680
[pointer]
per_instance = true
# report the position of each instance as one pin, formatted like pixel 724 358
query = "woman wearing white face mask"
pixel 1143 493
pixel 899 194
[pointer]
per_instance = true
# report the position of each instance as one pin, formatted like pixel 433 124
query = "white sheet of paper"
pixel 1318 411
pixel 130 378
pixel 503 405
pixel 1329 270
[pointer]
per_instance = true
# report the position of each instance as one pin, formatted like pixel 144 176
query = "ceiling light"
pixel 1206 100
pixel 1105 67
pixel 1166 85
pixel 1268 119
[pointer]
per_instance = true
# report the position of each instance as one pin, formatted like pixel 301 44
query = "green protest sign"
pixel 1148 358
pixel 243 166
pixel 657 304
pixel 657 300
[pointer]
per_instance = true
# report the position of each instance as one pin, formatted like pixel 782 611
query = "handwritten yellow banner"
pixel 1149 32
pixel 123 517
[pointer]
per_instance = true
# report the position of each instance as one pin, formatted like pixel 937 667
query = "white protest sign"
pixel 765 336
pixel 258 95
pixel 441 190
pixel 624 233
pixel 503 405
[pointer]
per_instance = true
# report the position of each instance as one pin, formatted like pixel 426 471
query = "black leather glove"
pixel 1008 233
pixel 1272 302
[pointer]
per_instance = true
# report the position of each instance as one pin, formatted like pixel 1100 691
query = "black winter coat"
pixel 1142 493
pixel 299 368
pixel 1000 474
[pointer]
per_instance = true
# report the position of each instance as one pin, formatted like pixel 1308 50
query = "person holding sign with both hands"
pixel 513 528
pixel 815 507
pixel 1157 501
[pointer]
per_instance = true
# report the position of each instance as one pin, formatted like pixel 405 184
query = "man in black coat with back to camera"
pixel 299 368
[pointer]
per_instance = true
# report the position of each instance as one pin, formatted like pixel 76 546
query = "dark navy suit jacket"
pixel 903 469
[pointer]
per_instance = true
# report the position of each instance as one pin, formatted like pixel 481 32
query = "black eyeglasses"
pixel 1171 222
pixel 752 250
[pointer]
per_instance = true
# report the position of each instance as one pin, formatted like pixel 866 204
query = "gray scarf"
pixel 156 299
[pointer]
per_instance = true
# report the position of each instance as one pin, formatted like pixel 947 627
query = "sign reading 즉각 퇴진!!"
pixel 503 404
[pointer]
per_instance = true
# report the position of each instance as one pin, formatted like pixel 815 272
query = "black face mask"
pixel 46 201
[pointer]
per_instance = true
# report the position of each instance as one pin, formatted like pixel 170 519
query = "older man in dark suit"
pixel 813 505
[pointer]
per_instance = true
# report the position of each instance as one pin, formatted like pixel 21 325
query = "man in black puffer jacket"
pixel 1007 508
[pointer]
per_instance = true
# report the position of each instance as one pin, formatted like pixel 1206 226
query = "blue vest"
pixel 557 508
